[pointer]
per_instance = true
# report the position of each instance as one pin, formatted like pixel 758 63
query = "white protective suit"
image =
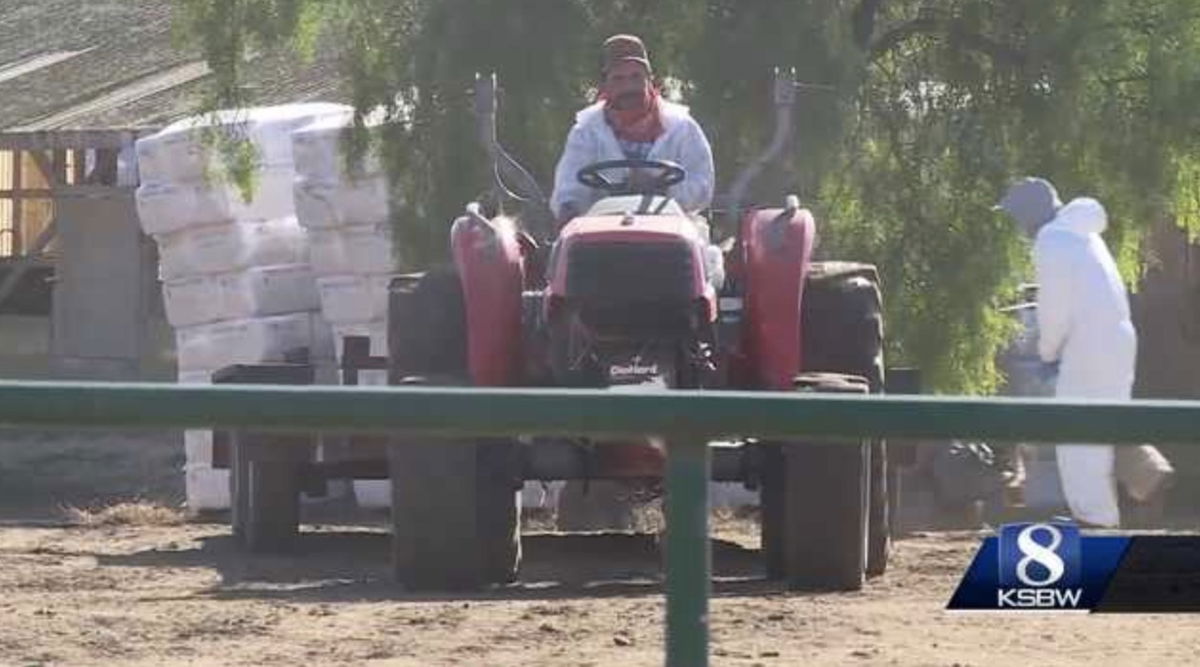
pixel 1084 324
pixel 591 140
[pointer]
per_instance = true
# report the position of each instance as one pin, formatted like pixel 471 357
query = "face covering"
pixel 641 122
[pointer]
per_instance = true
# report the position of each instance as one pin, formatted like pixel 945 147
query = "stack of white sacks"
pixel 349 228
pixel 238 284
pixel 347 216
pixel 305 262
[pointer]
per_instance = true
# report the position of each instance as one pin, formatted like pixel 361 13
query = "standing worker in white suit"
pixel 1084 328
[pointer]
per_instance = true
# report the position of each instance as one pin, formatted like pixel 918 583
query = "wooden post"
pixel 80 165
pixel 18 185
pixel 58 174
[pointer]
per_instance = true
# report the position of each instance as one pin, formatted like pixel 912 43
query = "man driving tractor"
pixel 632 121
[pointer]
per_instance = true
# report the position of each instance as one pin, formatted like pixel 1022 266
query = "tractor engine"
pixel 628 303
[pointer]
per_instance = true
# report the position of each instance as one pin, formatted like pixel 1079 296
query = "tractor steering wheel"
pixel 669 174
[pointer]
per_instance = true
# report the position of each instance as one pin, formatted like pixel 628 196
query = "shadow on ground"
pixel 348 565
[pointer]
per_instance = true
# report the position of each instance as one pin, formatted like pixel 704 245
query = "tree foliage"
pixel 920 113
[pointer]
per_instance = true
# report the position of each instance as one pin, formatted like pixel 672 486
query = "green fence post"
pixel 689 558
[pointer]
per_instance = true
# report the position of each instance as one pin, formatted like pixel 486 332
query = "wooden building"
pixel 79 83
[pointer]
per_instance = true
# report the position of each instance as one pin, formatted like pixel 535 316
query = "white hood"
pixel 1083 309
pixel 1083 216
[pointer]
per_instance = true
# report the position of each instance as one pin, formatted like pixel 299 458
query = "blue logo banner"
pixel 1040 567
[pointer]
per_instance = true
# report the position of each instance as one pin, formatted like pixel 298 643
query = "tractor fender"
pixel 487 254
pixel 776 250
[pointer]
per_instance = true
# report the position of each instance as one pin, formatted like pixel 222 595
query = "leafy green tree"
pixel 918 114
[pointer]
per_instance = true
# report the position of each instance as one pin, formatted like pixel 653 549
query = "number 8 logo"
pixel 1046 556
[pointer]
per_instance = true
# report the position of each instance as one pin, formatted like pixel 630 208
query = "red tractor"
pixel 628 296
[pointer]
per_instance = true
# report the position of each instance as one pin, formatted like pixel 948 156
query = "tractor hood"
pixel 635 257
pixel 639 217
pixel 635 228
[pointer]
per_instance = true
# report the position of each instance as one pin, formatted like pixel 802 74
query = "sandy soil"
pixel 180 594
pixel 43 471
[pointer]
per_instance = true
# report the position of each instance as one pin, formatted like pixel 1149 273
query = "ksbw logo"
pixel 1040 567
pixel 1051 567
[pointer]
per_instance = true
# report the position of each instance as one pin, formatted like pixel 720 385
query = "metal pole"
pixel 689 558
pixel 713 415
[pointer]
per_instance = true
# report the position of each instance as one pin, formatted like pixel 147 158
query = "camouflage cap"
pixel 625 48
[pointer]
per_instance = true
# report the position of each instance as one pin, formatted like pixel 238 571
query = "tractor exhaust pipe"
pixel 783 94
pixel 509 178
pixel 784 97
pixel 485 114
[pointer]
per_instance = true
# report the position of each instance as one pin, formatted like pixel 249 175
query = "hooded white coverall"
pixel 591 140
pixel 1084 324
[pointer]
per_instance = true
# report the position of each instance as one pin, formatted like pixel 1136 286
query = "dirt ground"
pixel 139 586
pixel 150 594
pixel 43 471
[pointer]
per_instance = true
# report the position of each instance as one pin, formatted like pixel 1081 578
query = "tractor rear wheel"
pixel 843 333
pixel 815 504
pixel 265 468
pixel 265 480
pixel 455 511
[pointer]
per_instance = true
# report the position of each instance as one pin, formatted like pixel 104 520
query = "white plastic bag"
pixel 179 152
pixel 318 149
pixel 193 300
pixel 231 247
pixel 326 253
pixel 323 352
pixel 359 249
pixel 207 488
pixel 353 299
pixel 269 290
pixel 198 448
pixel 369 249
pixel 214 346
pixel 168 207
pixel 323 204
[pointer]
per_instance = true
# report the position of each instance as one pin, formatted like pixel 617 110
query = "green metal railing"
pixel 686 420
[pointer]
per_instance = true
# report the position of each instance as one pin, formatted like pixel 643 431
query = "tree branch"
pixel 863 18
pixel 1133 78
pixel 888 41
pixel 935 23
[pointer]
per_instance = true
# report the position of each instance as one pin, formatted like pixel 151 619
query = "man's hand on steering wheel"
pixel 642 180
